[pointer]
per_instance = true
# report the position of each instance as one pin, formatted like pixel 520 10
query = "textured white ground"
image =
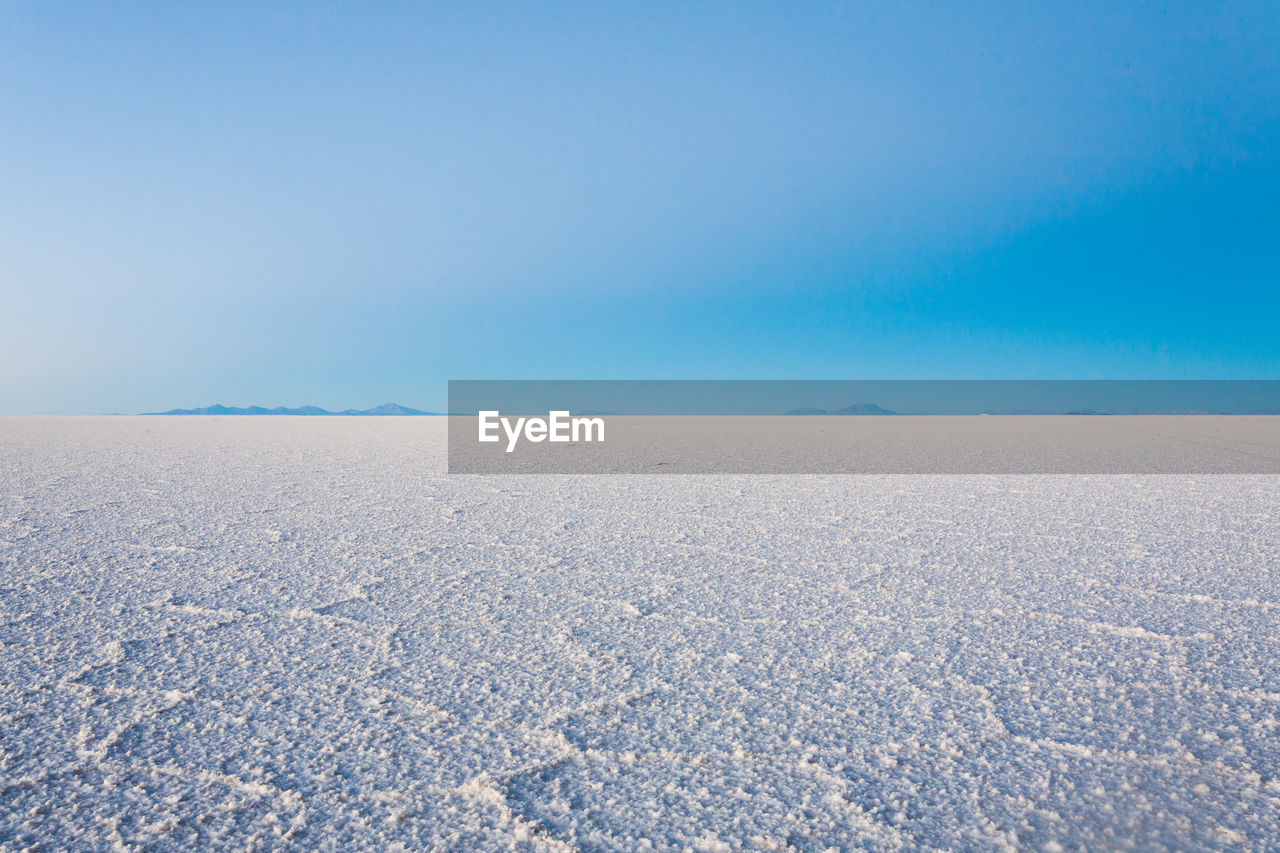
pixel 298 633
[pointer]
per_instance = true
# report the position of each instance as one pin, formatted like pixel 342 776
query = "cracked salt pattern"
pixel 299 634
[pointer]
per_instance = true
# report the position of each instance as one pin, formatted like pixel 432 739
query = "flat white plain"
pixel 299 633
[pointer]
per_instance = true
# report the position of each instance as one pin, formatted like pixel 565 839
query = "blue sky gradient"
pixel 345 204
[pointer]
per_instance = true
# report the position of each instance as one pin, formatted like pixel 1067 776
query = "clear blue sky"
pixel 345 204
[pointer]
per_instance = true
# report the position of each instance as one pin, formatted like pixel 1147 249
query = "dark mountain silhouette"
pixel 219 409
pixel 384 410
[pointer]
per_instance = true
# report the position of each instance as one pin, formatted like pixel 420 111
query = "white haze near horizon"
pixel 284 633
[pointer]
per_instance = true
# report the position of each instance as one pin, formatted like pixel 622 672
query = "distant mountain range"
pixel 851 409
pixel 393 409
pixel 386 409
pixel 873 409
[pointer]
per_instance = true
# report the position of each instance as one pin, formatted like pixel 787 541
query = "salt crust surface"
pixel 280 633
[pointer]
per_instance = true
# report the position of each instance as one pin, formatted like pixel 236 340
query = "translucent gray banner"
pixel 863 427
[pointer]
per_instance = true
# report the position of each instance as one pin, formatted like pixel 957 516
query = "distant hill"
pixel 218 409
pixel 851 409
pixel 386 409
